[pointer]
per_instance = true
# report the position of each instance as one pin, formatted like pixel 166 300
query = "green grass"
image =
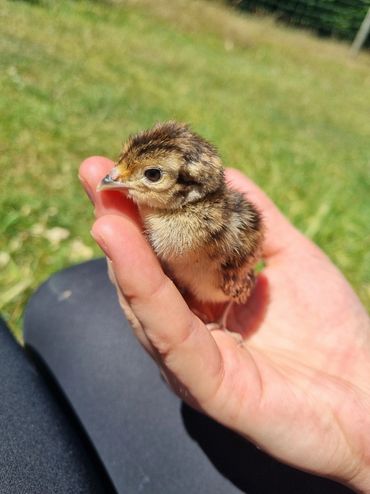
pixel 290 110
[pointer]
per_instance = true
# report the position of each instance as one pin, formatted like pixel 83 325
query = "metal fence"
pixel 339 18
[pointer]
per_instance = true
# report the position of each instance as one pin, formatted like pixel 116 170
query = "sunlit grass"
pixel 290 110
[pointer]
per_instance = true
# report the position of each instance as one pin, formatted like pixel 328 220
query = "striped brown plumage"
pixel 207 236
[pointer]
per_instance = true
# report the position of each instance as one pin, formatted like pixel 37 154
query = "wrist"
pixel 360 483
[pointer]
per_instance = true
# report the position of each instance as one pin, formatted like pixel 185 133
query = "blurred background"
pixel 285 105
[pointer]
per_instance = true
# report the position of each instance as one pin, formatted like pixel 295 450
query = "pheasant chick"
pixel 207 237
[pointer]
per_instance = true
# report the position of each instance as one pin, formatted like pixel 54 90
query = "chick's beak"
pixel 111 181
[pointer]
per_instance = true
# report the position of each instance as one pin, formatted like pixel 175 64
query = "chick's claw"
pixel 215 326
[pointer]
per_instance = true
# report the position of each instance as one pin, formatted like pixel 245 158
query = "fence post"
pixel 361 35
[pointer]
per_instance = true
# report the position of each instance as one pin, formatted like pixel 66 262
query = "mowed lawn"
pixel 290 110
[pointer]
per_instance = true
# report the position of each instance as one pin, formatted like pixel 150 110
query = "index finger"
pixel 186 347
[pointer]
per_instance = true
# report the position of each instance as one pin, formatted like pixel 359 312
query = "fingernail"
pixel 100 241
pixel 87 189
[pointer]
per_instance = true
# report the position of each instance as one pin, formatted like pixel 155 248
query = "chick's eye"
pixel 153 174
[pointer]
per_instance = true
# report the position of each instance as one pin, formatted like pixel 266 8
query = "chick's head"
pixel 167 167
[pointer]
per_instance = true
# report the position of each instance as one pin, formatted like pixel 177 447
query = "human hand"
pixel 298 386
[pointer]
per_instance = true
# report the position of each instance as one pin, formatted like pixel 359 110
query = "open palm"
pixel 297 383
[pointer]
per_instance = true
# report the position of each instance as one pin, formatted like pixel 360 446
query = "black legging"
pixel 148 441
